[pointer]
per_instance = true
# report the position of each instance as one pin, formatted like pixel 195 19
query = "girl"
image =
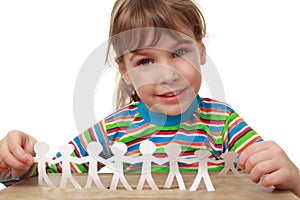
pixel 158 48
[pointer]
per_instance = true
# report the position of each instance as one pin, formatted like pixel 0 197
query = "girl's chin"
pixel 171 110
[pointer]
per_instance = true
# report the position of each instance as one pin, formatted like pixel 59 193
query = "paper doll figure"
pixel 173 151
pixel 66 160
pixel 229 158
pixel 147 148
pixel 202 156
pixel 116 164
pixel 94 149
pixel 41 149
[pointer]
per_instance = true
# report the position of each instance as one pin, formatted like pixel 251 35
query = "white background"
pixel 43 44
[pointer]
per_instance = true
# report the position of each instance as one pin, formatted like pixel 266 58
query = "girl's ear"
pixel 202 50
pixel 123 72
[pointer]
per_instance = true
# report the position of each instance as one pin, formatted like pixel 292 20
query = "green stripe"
pixel 87 136
pixel 228 121
pixel 118 124
pixel 243 140
pixel 211 116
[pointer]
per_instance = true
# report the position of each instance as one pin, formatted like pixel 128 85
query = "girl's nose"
pixel 167 74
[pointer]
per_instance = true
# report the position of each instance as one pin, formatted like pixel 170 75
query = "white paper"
pixel 2 186
pixel 202 156
pixel 229 159
pixel 94 149
pixel 41 149
pixel 173 151
pixel 66 160
pixel 116 164
pixel 147 148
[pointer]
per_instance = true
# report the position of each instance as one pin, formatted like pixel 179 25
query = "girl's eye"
pixel 145 62
pixel 179 53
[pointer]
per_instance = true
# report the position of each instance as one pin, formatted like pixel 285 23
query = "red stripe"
pixel 238 136
pixel 92 134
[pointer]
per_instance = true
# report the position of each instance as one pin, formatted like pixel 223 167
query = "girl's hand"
pixel 16 153
pixel 267 162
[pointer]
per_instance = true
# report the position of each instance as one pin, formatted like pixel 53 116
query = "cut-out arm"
pixel 55 161
pixel 216 161
pixel 161 161
pixel 189 160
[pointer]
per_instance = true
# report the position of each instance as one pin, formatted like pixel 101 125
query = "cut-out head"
pixel 173 149
pixel 66 149
pixel 94 148
pixel 147 147
pixel 119 148
pixel 41 148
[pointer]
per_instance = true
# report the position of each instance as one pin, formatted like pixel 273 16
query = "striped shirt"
pixel 207 124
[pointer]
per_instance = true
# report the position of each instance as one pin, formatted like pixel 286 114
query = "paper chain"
pixel 115 162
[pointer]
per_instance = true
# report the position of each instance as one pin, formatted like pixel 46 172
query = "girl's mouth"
pixel 172 95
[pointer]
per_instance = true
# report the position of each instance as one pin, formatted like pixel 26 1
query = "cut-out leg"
pixel 63 182
pixel 74 182
pixel 224 170
pixel 196 183
pixel 114 182
pixel 88 182
pixel 208 183
pixel 125 183
pixel 180 182
pixel 141 183
pixel 48 182
pixel 152 183
pixel 169 180
pixel 98 183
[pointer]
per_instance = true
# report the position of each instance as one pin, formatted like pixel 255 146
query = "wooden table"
pixel 227 186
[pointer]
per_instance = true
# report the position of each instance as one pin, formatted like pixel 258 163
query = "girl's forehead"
pixel 151 37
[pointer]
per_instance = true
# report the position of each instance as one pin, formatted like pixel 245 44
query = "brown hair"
pixel 134 14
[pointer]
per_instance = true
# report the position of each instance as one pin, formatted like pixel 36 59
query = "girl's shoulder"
pixel 214 106
pixel 126 112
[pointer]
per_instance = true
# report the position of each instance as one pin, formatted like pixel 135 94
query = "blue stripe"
pixel 236 129
pixel 215 129
pixel 81 149
pixel 101 139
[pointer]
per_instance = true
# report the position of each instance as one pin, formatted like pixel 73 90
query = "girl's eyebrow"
pixel 137 52
pixel 142 53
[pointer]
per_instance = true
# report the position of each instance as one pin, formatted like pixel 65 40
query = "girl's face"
pixel 166 76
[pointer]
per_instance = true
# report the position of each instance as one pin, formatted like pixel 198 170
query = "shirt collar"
pixel 161 119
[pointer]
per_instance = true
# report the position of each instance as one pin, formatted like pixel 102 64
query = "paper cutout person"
pixel 229 159
pixel 147 148
pixel 202 156
pixel 66 160
pixel 173 151
pixel 41 149
pixel 116 164
pixel 94 149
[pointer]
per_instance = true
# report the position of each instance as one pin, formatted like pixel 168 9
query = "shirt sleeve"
pixel 237 134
